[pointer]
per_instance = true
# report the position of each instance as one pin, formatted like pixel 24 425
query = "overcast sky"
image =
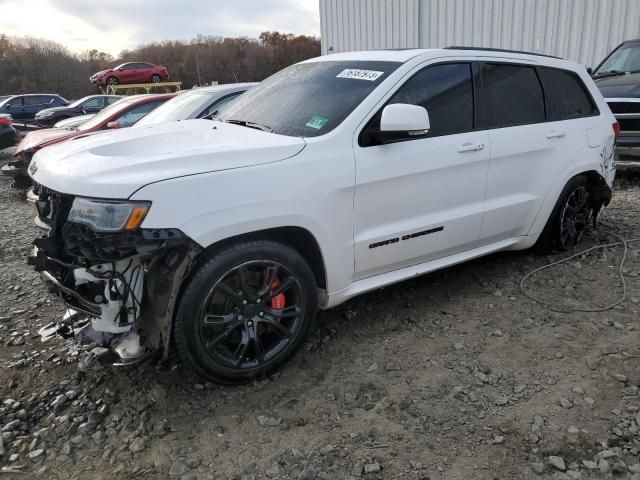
pixel 114 25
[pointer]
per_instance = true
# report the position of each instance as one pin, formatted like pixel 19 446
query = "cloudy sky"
pixel 114 25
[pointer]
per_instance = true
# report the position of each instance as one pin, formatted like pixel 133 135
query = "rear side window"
pixel 37 100
pixel 509 95
pixel 446 92
pixel 566 95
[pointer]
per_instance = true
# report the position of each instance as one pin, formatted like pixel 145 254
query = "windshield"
pixel 308 99
pixel 107 112
pixel 178 108
pixel 624 60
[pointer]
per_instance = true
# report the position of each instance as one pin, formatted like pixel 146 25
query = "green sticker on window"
pixel 316 122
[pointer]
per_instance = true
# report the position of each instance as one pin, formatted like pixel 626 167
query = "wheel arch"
pixel 298 238
pixel 599 189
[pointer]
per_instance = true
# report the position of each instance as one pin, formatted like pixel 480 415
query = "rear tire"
pixel 569 219
pixel 155 78
pixel 244 311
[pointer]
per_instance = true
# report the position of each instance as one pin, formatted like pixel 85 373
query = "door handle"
pixel 470 147
pixel 555 134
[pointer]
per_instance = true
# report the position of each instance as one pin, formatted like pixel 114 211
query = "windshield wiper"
pixel 245 123
pixel 612 73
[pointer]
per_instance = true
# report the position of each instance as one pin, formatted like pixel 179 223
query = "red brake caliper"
pixel 279 301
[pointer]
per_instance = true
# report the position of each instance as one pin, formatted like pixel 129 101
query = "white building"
pixel 580 30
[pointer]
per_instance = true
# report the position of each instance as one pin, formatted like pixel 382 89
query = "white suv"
pixel 336 176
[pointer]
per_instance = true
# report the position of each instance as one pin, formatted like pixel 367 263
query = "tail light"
pixel 5 120
pixel 616 129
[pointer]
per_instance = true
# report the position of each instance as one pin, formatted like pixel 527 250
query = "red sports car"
pixel 131 72
pixel 121 114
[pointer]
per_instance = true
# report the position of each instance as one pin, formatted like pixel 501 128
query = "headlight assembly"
pixel 108 216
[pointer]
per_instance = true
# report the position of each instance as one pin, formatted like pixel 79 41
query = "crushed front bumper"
pixel 119 288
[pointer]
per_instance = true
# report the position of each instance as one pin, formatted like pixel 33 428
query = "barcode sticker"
pixel 370 75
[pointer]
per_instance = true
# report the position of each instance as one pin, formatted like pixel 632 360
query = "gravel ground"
pixel 454 375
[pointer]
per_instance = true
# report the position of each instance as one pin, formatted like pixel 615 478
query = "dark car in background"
pixel 121 114
pixel 618 78
pixel 131 72
pixel 23 108
pixel 87 105
pixel 9 136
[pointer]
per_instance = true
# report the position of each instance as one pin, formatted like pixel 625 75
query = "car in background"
pixel 73 122
pixel 90 104
pixel 9 136
pixel 618 78
pixel 198 103
pixel 131 72
pixel 25 107
pixel 122 114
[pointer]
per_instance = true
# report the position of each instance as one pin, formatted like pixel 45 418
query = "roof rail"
pixel 454 47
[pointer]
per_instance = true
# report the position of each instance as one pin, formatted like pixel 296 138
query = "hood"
pixel 39 138
pixel 115 164
pixel 102 72
pixel 621 86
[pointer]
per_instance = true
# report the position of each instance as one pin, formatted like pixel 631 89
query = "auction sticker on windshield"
pixel 371 75
pixel 316 122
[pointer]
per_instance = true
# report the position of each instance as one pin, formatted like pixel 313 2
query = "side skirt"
pixel 389 278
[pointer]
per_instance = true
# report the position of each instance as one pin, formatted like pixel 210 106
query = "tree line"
pixel 32 65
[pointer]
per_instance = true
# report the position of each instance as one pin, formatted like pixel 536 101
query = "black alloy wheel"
pixel 251 314
pixel 112 81
pixel 155 79
pixel 244 311
pixel 574 217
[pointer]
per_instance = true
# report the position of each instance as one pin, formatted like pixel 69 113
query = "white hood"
pixel 117 163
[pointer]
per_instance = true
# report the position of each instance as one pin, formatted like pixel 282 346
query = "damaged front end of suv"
pixel 98 260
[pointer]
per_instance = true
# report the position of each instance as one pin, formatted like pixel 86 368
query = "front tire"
pixel 570 217
pixel 244 311
pixel 112 81
pixel 155 78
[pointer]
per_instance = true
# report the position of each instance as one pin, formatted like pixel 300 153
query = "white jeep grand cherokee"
pixel 333 177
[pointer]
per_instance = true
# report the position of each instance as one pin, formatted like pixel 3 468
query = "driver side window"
pixel 445 90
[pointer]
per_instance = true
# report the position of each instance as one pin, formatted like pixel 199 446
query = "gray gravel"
pixel 455 375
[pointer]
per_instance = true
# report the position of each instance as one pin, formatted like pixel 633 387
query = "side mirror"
pixel 112 125
pixel 121 69
pixel 589 70
pixel 84 112
pixel 401 121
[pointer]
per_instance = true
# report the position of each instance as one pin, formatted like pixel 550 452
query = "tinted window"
pixel 446 92
pixel 566 95
pixel 17 101
pixel 110 100
pixel 93 103
pixel 510 95
pixel 309 99
pixel 37 100
pixel 129 66
pixel 132 116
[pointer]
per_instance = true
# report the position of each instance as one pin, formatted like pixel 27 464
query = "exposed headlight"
pixel 46 114
pixel 108 216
